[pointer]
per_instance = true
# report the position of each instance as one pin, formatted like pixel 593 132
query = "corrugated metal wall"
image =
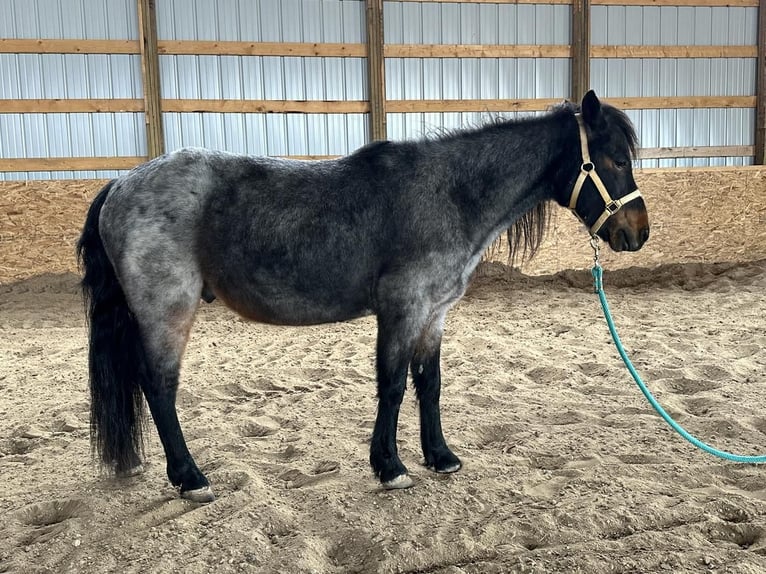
pixel 251 77
pixel 677 26
pixel 269 78
pixel 69 76
pixel 471 78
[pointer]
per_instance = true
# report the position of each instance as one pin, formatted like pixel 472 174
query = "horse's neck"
pixel 503 171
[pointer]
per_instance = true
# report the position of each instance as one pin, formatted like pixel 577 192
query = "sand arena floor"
pixel 566 468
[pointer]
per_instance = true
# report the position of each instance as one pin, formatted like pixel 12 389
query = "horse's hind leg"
pixel 165 313
pixel 426 375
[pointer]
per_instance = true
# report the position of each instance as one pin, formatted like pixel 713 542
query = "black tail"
pixel 116 358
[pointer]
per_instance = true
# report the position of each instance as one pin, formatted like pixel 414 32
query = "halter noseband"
pixel 588 170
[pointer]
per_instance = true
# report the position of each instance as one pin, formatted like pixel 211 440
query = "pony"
pixel 395 229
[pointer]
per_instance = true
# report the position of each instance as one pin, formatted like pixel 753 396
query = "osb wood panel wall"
pixel 699 216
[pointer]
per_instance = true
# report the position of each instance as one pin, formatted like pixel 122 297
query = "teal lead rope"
pixel 598 284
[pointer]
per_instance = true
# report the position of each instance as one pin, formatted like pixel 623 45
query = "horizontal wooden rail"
pixel 491 1
pixel 39 106
pixel 207 48
pixel 429 106
pixel 267 106
pixel 735 3
pixel 46 46
pixel 682 102
pixel 69 163
pixel 32 106
pixel 302 49
pixel 673 51
pixel 182 47
pixel 477 51
pixel 689 3
pixel 696 151
pixel 124 162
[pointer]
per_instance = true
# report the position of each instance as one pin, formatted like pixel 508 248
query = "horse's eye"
pixel 621 164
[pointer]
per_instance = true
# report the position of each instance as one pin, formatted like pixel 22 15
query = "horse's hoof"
pixel 204 494
pixel 449 469
pixel 134 471
pixel 401 481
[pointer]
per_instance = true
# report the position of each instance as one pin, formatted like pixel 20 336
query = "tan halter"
pixel 588 170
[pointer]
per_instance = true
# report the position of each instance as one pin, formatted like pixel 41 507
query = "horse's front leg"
pixel 396 341
pixel 426 375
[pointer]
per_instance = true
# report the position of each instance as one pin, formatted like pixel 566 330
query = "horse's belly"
pixel 287 306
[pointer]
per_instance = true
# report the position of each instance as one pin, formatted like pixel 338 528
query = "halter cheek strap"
pixel 588 170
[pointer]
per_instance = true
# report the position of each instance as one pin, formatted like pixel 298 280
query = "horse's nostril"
pixel 644 234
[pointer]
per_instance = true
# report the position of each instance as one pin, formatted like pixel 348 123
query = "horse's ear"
pixel 591 109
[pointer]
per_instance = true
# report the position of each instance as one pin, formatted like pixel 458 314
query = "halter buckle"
pixel 587 167
pixel 612 207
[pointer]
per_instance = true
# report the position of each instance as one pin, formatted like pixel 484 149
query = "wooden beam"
pixel 682 102
pixel 229 48
pixel 69 163
pixel 695 151
pixel 760 89
pixel 493 1
pixel 300 49
pixel 580 49
pixel 376 70
pixel 673 51
pixel 45 46
pixel 477 51
pixel 38 106
pixel 267 106
pixel 429 106
pixel 693 3
pixel 150 73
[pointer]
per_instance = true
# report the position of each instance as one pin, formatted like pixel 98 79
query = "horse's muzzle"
pixel 628 229
pixel 627 240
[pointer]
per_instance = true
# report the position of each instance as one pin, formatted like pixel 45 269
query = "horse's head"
pixel 605 196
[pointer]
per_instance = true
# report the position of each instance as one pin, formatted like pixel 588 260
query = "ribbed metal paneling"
pixel 270 78
pixel 471 78
pixel 66 76
pixel 233 77
pixel 674 26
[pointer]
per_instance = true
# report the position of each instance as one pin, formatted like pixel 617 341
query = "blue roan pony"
pixel 395 229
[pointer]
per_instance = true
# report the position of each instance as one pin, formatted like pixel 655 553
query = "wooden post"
pixel 760 86
pixel 376 69
pixel 580 48
pixel 150 72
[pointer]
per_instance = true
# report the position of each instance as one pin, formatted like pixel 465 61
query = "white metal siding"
pixel 677 26
pixel 67 76
pixel 314 78
pixel 269 78
pixel 471 78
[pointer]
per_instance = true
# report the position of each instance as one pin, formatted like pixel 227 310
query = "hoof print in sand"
pixel 324 470
pixel 48 519
pixel 260 427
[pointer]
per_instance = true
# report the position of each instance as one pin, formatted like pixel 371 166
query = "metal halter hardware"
pixel 588 170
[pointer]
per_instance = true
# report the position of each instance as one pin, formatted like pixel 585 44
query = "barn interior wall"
pixel 670 77
pixel 324 78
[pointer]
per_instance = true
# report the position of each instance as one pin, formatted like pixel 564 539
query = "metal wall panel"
pixel 233 77
pixel 271 78
pixel 471 78
pixel 65 76
pixel 675 26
